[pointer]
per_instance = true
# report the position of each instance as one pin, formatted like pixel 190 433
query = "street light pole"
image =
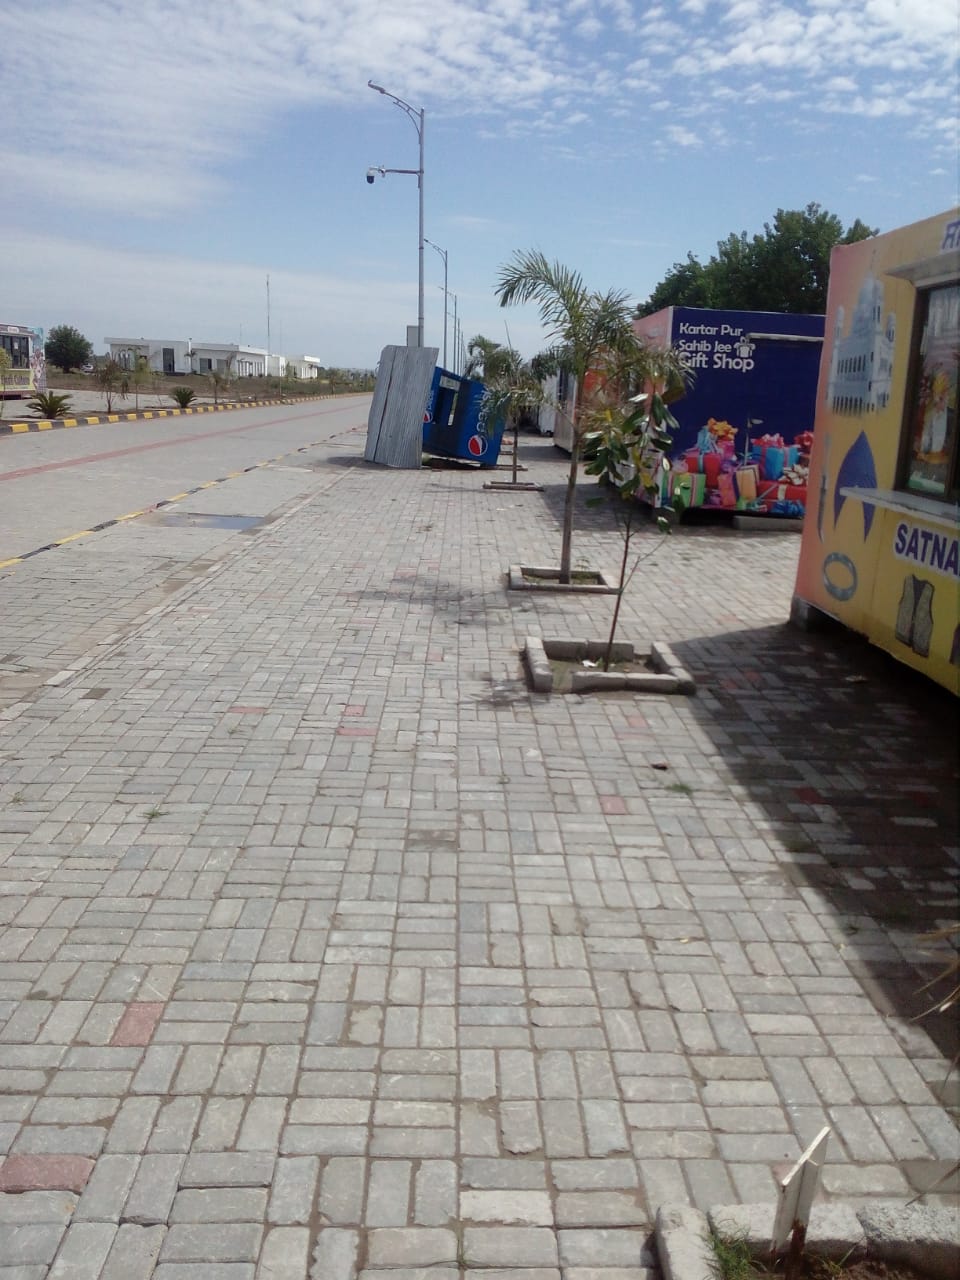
pixel 418 119
pixel 443 255
pixel 456 346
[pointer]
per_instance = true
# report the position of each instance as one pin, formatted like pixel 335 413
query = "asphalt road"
pixel 176 495
pixel 54 484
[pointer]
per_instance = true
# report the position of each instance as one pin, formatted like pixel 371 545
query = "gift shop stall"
pixel 746 421
pixel 881 543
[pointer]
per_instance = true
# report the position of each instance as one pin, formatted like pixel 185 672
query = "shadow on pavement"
pixel 853 758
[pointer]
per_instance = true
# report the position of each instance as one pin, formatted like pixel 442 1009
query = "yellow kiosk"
pixel 881 538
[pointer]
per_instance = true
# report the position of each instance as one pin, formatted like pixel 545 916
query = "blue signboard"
pixel 746 421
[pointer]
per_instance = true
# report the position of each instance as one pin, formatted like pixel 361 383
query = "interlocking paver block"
pixel 134 1253
pixel 83 1251
pixel 404 948
pixel 45 1173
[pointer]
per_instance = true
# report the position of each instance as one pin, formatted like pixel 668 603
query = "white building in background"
pixel 176 357
pixel 163 355
pixel 232 358
pixel 304 367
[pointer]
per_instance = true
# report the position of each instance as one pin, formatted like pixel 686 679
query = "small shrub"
pixel 50 405
pixel 184 396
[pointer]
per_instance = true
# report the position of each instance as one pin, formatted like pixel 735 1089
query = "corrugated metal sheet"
pixel 395 422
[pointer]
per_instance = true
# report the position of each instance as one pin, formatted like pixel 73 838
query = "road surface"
pixel 81 513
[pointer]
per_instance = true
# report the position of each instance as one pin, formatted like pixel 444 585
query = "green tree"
pixel 513 387
pixel 110 378
pixel 67 348
pixel 686 284
pixel 629 432
pixel 140 377
pixel 784 269
pixel 220 380
pixel 581 324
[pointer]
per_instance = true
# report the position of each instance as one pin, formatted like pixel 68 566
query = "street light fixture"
pixel 417 117
pixel 443 255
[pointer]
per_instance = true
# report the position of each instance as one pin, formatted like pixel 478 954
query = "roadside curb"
pixel 924 1236
pixel 143 415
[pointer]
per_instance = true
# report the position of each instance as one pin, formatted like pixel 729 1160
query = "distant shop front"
pixel 746 421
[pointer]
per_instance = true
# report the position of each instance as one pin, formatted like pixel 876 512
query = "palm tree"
pixel 582 326
pixel 511 384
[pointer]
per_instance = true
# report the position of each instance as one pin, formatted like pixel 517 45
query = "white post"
pixel 796 1194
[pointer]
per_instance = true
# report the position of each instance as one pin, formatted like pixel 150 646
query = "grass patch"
pixel 734 1259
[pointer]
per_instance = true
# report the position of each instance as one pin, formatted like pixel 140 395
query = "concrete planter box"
pixel 522 577
pixel 924 1237
pixel 666 676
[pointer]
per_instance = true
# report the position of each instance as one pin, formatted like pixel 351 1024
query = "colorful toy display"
pixel 745 423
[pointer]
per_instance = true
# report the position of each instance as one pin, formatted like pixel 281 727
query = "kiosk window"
pixel 931 409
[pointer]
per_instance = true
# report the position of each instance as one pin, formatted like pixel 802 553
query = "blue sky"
pixel 168 155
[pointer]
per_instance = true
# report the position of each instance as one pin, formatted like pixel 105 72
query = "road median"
pixel 23 425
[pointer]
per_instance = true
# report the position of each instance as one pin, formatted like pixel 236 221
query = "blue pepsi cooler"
pixel 457 423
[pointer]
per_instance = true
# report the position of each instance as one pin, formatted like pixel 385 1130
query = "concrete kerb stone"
pixel 683 1244
pixel 834 1229
pixel 922 1236
pixel 523 577
pixel 668 676
pixel 538 665
pixel 21 426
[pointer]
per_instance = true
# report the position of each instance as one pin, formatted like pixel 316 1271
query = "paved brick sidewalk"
pixel 328 950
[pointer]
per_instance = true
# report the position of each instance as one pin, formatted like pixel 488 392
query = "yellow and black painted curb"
pixel 143 415
pixel 155 506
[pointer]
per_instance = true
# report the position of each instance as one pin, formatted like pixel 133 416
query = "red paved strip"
pixel 612 804
pixel 145 448
pixel 808 795
pixel 138 1024
pixel 45 1173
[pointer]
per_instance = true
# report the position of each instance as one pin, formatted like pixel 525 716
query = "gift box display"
pixel 770 477
pixel 748 478
pixel 727 488
pixel 770 493
pixel 774 455
pixel 690 488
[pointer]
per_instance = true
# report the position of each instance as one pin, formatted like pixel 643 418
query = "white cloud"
pixel 682 137
pixel 173 295
pixel 194 87
pixel 143 124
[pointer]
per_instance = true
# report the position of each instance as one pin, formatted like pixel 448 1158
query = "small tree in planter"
pixel 139 379
pixel 511 384
pixel 627 438
pixel 110 378
pixel 583 326
pixel 220 380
